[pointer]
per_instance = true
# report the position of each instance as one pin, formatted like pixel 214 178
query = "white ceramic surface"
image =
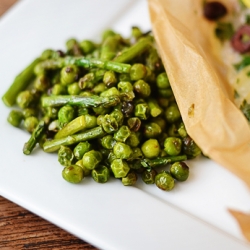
pixel 192 216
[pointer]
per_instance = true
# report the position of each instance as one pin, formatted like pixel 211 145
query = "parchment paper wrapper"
pixel 199 79
pixel 244 221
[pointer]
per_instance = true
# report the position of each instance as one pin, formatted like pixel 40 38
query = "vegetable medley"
pixel 106 109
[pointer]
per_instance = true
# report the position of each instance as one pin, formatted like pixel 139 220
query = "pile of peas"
pixel 107 109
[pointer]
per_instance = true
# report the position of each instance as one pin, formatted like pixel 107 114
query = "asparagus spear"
pixel 160 161
pixel 115 66
pixel 83 101
pixel 34 138
pixel 109 47
pixel 20 83
pixel 54 145
pixel 133 51
pixel 76 125
pixel 52 64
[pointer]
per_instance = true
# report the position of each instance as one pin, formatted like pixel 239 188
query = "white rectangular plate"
pixel 110 216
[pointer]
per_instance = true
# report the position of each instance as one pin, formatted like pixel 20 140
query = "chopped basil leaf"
pixel 244 62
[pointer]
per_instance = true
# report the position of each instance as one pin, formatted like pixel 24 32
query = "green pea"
pixel 66 114
pixel 182 130
pixel 136 165
pixel 86 93
pixel 180 171
pixel 134 123
pixel 108 141
pixel 136 154
pixel 124 77
pixel 173 130
pixel 27 112
pixel 133 140
pixel 47 54
pixel 151 148
pixel 111 157
pixel 124 86
pixel 118 115
pixel 58 89
pixel 172 113
pixel 164 181
pixel 122 133
pixel 166 93
pixel 74 89
pixel 101 110
pixel 41 83
pixel 162 81
pixel 148 176
pixel 150 76
pixel 91 159
pixel 30 123
pixel 138 71
pixel 99 88
pixel 73 174
pixel 142 111
pixel 51 112
pixel 81 148
pixel 25 99
pixel 190 148
pixel 39 70
pixel 173 145
pixel 160 121
pixel 130 179
pixel 110 79
pixel 65 156
pixel 70 43
pixel 99 120
pixel 126 90
pixel 100 174
pixel 15 118
pixel 86 172
pixel 69 74
pixel 119 168
pixel 122 150
pixel 163 102
pixel 110 92
pixel 152 130
pixel 142 88
pixel 87 46
pixel 73 47
pixel 109 124
pixel 87 81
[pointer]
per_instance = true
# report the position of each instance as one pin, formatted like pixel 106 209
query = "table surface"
pixel 21 229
